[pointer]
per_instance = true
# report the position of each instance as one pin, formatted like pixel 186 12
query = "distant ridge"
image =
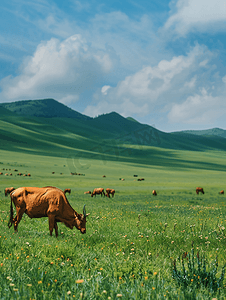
pixel 207 132
pixel 46 108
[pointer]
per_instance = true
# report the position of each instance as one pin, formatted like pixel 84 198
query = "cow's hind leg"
pixel 18 217
pixel 52 224
pixel 56 229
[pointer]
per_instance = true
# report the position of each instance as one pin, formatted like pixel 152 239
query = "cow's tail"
pixel 10 223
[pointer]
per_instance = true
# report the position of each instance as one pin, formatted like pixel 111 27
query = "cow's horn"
pixel 84 211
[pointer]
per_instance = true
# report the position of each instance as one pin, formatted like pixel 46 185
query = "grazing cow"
pixel 154 193
pixel 110 191
pixel 199 190
pixel 29 174
pixel 9 190
pixel 45 202
pixel 221 192
pixel 140 179
pixel 89 192
pixel 67 191
pixel 104 176
pixel 98 191
pixel 135 175
pixel 1 173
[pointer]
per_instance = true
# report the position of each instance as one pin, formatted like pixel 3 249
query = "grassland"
pixel 131 240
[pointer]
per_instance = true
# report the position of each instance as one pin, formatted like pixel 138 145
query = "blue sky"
pixel 161 62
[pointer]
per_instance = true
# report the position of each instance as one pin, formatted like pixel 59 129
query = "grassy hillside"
pixel 109 137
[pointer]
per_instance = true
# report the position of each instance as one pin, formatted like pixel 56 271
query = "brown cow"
pixel 154 193
pixel 9 190
pixel 98 191
pixel 221 192
pixel 89 192
pixel 199 190
pixel 110 191
pixel 45 202
pixel 67 191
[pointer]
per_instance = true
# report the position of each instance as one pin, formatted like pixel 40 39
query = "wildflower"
pixel 172 242
pixel 192 280
pixel 146 277
pixel 11 284
pixel 120 277
pixel 153 288
pixel 51 263
pixel 39 282
pixel 15 290
pixel 69 292
pixel 79 281
pixel 155 273
pixel 29 284
pixel 55 280
pixel 101 269
pixel 119 295
pixel 1 264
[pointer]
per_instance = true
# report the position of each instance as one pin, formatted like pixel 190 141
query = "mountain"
pixel 47 108
pixel 208 132
pixel 106 137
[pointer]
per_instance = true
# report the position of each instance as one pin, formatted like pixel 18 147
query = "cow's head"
pixel 80 220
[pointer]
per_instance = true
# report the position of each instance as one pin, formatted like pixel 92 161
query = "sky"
pixel 160 62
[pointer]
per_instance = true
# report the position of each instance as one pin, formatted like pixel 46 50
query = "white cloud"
pixel 152 86
pixel 201 15
pixel 202 108
pixel 60 70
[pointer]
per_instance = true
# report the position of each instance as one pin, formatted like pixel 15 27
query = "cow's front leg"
pixel 51 223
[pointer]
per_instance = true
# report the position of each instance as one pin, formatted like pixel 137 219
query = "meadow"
pixel 132 241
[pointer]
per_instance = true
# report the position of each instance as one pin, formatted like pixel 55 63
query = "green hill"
pixel 48 108
pixel 208 132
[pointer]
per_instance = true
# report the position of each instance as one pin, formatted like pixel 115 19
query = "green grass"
pixel 131 240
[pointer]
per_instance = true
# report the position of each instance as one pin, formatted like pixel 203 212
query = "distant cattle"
pixel 67 191
pixel 45 202
pixel 140 179
pixel 1 173
pixel 154 193
pixel 221 192
pixel 104 176
pixel 110 192
pixel 135 175
pixel 199 190
pixel 88 192
pixel 29 174
pixel 98 191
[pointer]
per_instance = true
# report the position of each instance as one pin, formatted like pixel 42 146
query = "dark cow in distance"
pixel 45 202
pixel 199 190
pixel 98 191
pixel 221 192
pixel 110 192
pixel 154 193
